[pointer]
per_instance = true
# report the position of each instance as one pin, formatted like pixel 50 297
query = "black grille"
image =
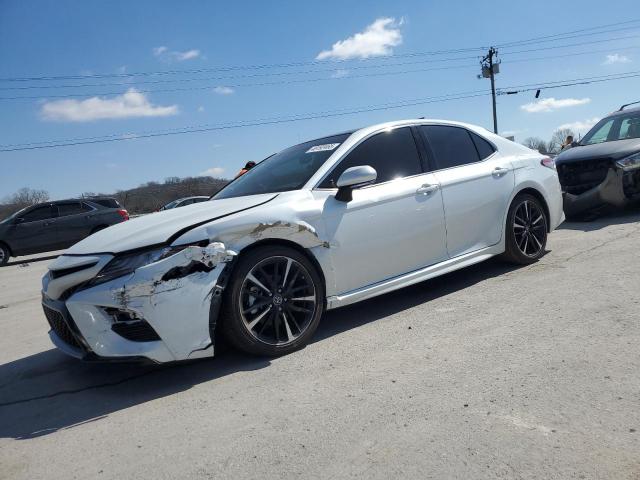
pixel 58 325
pixel 136 331
pixel 578 177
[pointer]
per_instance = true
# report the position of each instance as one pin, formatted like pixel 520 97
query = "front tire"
pixel 526 230
pixel 4 255
pixel 273 303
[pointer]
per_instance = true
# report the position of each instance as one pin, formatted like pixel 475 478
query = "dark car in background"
pixel 56 225
pixel 604 168
pixel 183 202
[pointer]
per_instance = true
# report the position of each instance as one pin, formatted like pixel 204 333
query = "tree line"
pixel 553 146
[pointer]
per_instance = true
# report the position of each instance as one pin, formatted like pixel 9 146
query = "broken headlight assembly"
pixel 632 162
pixel 126 264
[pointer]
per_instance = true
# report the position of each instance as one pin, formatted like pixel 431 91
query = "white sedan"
pixel 317 226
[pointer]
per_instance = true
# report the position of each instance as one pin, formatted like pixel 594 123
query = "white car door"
pixel 391 227
pixel 476 184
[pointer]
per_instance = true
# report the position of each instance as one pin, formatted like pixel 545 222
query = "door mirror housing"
pixel 352 178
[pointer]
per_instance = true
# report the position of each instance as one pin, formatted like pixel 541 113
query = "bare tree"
pixel 21 199
pixel 558 138
pixel 536 143
pixel 28 196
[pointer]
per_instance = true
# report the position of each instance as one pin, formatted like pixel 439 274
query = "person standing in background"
pixel 248 166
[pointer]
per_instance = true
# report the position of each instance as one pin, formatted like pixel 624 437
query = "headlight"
pixel 630 163
pixel 128 263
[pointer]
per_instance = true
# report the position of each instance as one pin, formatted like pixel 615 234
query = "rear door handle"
pixel 500 171
pixel 427 189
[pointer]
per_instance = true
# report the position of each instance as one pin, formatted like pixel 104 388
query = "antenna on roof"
pixel 627 104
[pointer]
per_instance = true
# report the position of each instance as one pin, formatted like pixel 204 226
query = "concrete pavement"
pixel 489 372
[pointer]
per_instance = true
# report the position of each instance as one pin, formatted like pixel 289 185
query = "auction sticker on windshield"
pixel 323 148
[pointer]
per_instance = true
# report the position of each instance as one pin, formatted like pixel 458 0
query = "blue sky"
pixel 71 38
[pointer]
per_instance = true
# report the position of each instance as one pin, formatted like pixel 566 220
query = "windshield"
pixel 171 205
pixel 288 170
pixel 620 127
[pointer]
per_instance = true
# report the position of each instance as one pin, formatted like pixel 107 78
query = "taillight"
pixel 548 162
pixel 124 214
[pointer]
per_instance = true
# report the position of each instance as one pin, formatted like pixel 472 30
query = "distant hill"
pixel 153 195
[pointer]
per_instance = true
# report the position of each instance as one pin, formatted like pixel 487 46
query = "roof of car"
pixel 92 199
pixel 624 111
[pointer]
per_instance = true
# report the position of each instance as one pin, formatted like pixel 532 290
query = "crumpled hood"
pixel 614 150
pixel 158 228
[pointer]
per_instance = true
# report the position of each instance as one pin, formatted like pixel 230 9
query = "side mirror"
pixel 354 177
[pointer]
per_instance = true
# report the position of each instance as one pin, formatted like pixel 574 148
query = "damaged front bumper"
pixel 163 312
pixel 614 190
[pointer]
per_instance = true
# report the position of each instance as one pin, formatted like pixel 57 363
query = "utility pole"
pixel 489 70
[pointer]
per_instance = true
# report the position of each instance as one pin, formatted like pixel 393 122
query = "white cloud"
pixel 616 58
pixel 551 104
pixel 188 55
pixel 340 73
pixel 201 108
pixel 378 39
pixel 222 90
pixel 159 50
pixel 580 127
pixel 164 54
pixel 128 105
pixel 213 172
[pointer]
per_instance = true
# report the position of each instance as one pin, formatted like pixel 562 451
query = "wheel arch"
pixel 538 195
pixel 8 247
pixel 267 242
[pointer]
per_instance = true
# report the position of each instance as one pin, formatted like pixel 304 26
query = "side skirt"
pixel 414 277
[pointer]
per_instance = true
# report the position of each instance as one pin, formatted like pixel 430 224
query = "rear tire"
pixel 4 255
pixel 273 303
pixel 525 230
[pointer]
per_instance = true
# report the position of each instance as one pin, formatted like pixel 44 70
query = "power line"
pixel 294 81
pixel 316 115
pixel 565 36
pixel 541 39
pixel 241 124
pixel 240 85
pixel 567 83
pixel 304 72
pixel 240 67
pixel 553 47
pixel 233 77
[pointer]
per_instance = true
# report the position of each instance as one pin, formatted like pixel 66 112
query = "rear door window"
pixel 392 154
pixel 485 149
pixel 451 146
pixel 70 208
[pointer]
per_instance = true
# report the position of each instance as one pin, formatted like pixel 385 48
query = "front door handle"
pixel 427 189
pixel 500 171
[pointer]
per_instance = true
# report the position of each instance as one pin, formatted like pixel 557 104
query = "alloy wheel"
pixel 277 300
pixel 529 228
